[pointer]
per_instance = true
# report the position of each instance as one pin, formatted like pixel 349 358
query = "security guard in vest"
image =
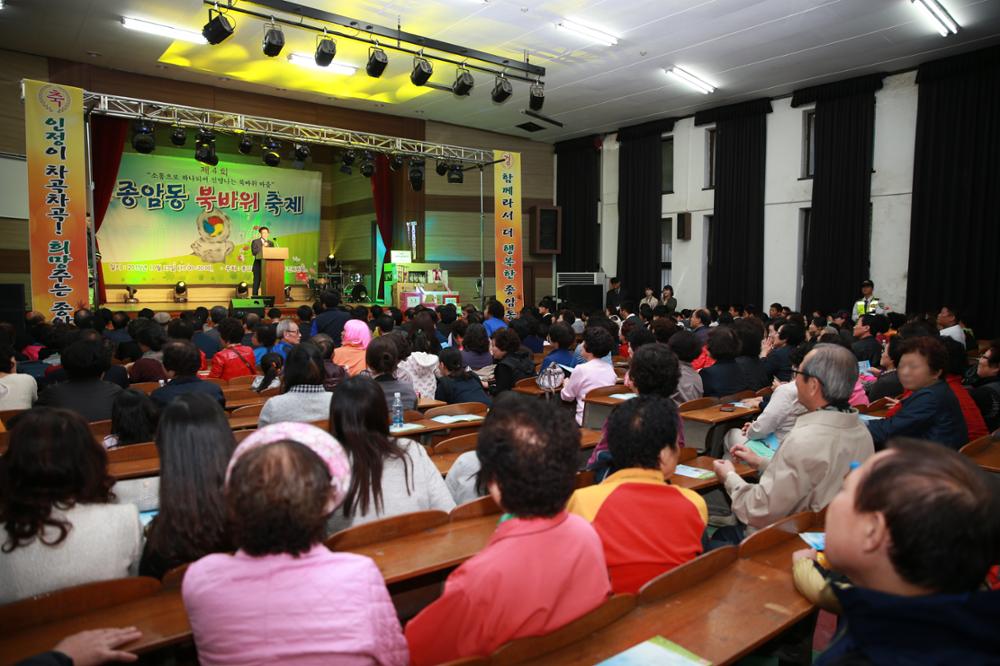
pixel 867 304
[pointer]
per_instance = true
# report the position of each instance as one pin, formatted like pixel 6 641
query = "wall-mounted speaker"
pixel 546 229
pixel 684 226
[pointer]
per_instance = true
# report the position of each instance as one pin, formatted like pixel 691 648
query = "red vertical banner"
pixel 507 226
pixel 57 198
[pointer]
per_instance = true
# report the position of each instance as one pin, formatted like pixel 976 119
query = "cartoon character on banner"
pixel 213 244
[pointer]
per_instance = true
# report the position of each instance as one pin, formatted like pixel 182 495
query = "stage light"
pixel 246 145
pixel 242 290
pixel 307 61
pixel 396 162
pixel 331 263
pixel 690 80
pixel 593 34
pixel 346 160
pixel 441 167
pixel 416 174
pixel 269 152
pixel 326 50
pixel 456 175
pixel 180 292
pixel 502 89
pixel 422 70
pixel 274 40
pixel 377 62
pixel 161 30
pixel 219 27
pixel 302 152
pixel 143 139
pixel 368 165
pixel 463 82
pixel 204 147
pixel 536 96
pixel 178 136
pixel 130 294
pixel 938 15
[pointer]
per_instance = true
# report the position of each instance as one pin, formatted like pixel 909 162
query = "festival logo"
pixel 214 245
pixel 53 99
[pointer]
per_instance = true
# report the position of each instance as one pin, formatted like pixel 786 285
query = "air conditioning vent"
pixel 530 127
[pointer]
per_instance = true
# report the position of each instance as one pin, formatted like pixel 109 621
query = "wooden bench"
pixel 985 452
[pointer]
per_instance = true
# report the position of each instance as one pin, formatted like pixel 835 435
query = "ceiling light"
pixel 269 152
pixel 346 160
pixel 219 27
pixel 690 79
pixel 309 62
pixel 204 147
pixel 422 70
pixel 502 89
pixel 302 152
pixel 142 137
pixel 163 30
pixel 938 15
pixel 396 162
pixel 593 34
pixel 274 40
pixel 455 174
pixel 368 165
pixel 536 96
pixel 441 167
pixel 246 144
pixel 178 136
pixel 326 49
pixel 463 82
pixel 416 174
pixel 377 62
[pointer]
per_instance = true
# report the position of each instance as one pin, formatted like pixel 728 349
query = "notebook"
pixel 693 472
pixel 766 447
pixel 657 650
pixel 623 396
pixel 406 427
pixel 448 420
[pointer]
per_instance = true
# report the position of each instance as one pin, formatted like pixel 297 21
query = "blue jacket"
pixel 932 413
pixel 879 628
pixel 560 356
pixel 779 364
pixel 332 323
pixel 467 389
pixel 723 378
pixel 182 385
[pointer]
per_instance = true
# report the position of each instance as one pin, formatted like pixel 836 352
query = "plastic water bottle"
pixel 397 411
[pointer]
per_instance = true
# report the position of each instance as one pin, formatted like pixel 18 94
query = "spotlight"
pixel 368 165
pixel 463 82
pixel 331 263
pixel 246 144
pixel 502 89
pixel 416 174
pixel 326 49
pixel 422 70
pixel 346 161
pixel 455 174
pixel 536 97
pixel 274 40
pixel 441 167
pixel 377 62
pixel 242 290
pixel 396 162
pixel 269 152
pixel 204 147
pixel 178 136
pixel 302 152
pixel 142 137
pixel 180 292
pixel 219 27
pixel 130 294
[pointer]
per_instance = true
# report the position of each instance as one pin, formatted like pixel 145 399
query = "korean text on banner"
pixel 57 198
pixel 507 225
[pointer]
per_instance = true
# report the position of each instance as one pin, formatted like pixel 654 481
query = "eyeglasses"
pixel 805 375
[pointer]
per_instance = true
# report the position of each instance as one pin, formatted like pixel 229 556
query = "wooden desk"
pixel 988 458
pixel 244 402
pixel 134 469
pixel 589 437
pixel 444 461
pixel 588 440
pixel 436 549
pixel 429 403
pixel 720 618
pixel 702 485
pixel 241 422
pixel 605 400
pixel 161 619
pixel 713 416
pixel 530 389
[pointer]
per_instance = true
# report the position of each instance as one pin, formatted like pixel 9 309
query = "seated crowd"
pixel 912 534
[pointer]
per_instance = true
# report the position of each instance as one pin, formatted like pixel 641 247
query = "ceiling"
pixel 747 48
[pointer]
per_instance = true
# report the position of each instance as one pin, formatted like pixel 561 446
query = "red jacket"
pixel 233 361
pixel 974 421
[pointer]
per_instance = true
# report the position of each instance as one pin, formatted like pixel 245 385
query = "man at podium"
pixel 257 249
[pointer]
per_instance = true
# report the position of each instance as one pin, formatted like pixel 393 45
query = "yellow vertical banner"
pixel 57 198
pixel 507 225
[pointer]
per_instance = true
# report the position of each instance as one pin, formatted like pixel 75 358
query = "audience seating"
pixel 483 506
pixel 457 409
pixel 240 435
pixel 457 444
pixel 985 452
pixel 877 406
pixel 71 601
pixel 764 392
pixel 172 579
pixel 101 429
pixel 699 403
pixel 683 576
pixel 782 532
pixel 7 414
pixel 145 387
pixel 132 452
pixel 244 381
pixel 584 478
pixel 247 410
pixel 411 416
pixel 385 529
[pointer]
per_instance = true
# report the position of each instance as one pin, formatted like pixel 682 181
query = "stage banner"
pixel 507 225
pixel 173 218
pixel 57 198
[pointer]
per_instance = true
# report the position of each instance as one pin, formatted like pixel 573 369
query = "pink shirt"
pixel 534 576
pixel 586 377
pixel 319 608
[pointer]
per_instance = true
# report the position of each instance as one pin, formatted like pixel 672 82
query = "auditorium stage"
pixel 174 309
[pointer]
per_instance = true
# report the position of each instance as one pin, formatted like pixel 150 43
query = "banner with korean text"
pixel 507 225
pixel 173 218
pixel 57 198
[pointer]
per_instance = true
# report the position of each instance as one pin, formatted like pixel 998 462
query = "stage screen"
pixel 173 218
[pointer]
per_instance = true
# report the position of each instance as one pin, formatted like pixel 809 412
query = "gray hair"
pixel 283 327
pixel 836 368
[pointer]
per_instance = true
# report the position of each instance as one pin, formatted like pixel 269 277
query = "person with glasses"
pixel 985 390
pixel 288 335
pixel 812 461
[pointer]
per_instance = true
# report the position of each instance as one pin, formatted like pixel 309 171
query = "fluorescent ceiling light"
pixel 151 28
pixel 592 34
pixel 938 15
pixel 308 61
pixel 689 79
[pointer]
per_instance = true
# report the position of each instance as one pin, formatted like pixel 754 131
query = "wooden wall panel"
pixel 14 67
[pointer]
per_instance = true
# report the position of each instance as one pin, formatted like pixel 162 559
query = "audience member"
pixel 181 359
pixel 17 391
pixel 382 357
pixel 288 335
pixel 985 390
pixel 667 299
pixel 750 333
pixel 85 392
pixel 513 362
pixel 887 384
pixel 958 362
pixel 149 368
pixel 271 365
pixel 264 340
pixel 562 338
pixel 494 318
pixel 419 361
pixel 476 347
pixel 866 346
pixel 118 332
pixel 700 320
pixel 778 364
pixel 949 324
pixel 724 377
pixel 351 354
pixel 649 298
pixel 133 419
pixel 303 396
pixel 235 359
pixel 457 383
pixel 334 373
pixel 593 372
pixel 687 348
pixel 332 320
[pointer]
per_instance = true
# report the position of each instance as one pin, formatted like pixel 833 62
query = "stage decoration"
pixel 507 225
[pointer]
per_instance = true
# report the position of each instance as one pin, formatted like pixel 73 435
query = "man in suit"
pixel 332 320
pixel 257 249
pixel 615 295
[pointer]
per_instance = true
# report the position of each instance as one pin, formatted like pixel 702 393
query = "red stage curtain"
pixel 382 195
pixel 107 141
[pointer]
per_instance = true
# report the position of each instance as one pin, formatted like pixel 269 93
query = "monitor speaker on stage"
pixel 546 229
pixel 241 306
pixel 12 308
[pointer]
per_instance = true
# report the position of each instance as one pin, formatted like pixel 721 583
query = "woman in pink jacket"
pixel 283 597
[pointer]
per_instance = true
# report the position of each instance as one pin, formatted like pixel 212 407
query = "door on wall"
pixel 666 253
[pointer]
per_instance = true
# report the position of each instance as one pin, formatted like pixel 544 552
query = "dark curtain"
pixel 736 272
pixel 107 141
pixel 640 208
pixel 578 192
pixel 838 246
pixel 954 224
pixel 382 197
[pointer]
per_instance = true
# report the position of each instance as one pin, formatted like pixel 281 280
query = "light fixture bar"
pixel 309 62
pixel 691 80
pixel 939 16
pixel 592 34
pixel 142 25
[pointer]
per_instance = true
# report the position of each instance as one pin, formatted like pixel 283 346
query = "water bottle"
pixel 397 411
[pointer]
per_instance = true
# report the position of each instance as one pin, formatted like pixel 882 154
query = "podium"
pixel 273 275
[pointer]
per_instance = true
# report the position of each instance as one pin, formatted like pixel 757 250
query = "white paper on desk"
pixel 693 472
pixel 406 427
pixel 456 418
pixel 623 396
pixel 740 404
pixel 815 540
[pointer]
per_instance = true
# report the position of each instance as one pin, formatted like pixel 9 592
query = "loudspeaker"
pixel 683 226
pixel 12 308
pixel 546 229
pixel 240 306
pixel 585 297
